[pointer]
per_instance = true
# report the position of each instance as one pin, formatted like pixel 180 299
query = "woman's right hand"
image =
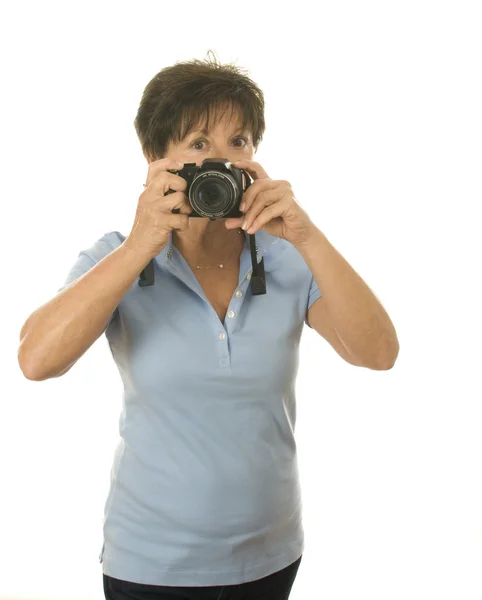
pixel 154 219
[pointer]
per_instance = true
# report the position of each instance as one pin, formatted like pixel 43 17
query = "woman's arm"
pixel 59 332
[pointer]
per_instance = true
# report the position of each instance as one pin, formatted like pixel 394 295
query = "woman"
pixel 204 500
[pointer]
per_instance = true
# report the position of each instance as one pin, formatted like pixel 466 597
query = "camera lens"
pixel 213 194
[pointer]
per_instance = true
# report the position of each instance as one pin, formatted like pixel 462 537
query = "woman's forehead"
pixel 228 117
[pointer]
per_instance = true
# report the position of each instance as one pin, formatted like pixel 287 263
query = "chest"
pixel 219 286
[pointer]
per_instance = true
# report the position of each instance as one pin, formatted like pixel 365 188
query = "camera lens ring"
pixel 224 178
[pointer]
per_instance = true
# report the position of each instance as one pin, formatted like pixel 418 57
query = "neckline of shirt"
pixel 264 241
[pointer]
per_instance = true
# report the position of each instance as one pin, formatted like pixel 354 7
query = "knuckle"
pixel 182 182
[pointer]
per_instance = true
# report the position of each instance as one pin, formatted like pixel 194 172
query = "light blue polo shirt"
pixel 204 487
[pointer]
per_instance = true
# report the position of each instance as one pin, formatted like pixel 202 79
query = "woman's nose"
pixel 217 152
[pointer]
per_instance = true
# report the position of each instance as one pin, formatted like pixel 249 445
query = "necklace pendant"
pixel 221 266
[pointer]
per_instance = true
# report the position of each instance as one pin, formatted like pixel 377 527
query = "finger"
pixel 265 198
pixel 160 165
pixel 235 222
pixel 249 197
pixel 176 201
pixel 166 181
pixel 253 168
pixel 178 222
pixel 266 215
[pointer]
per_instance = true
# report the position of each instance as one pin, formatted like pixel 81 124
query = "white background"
pixel 373 113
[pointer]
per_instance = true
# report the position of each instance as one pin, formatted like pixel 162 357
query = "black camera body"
pixel 214 189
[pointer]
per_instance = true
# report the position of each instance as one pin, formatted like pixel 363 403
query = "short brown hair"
pixel 179 97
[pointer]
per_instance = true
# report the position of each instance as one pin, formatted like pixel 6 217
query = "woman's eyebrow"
pixel 206 133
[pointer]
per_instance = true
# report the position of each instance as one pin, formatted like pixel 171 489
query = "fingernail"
pixel 242 207
pixel 245 225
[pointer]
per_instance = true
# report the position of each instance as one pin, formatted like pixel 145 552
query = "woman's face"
pixel 225 140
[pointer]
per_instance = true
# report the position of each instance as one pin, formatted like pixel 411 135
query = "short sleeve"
pixel 89 257
pixel 313 294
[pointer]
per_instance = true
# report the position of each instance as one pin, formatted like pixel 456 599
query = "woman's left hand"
pixel 271 205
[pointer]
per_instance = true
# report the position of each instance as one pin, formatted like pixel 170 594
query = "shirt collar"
pixel 266 245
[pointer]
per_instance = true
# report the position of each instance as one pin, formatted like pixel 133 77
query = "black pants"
pixel 276 586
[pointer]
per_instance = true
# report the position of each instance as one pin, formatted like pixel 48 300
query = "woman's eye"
pixel 194 144
pixel 241 139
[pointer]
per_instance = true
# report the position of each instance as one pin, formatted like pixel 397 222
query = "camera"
pixel 214 189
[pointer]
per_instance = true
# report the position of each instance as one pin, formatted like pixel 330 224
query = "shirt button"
pixel 222 336
pixel 239 294
pixel 231 314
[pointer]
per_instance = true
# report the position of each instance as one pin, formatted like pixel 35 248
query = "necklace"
pixel 221 264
